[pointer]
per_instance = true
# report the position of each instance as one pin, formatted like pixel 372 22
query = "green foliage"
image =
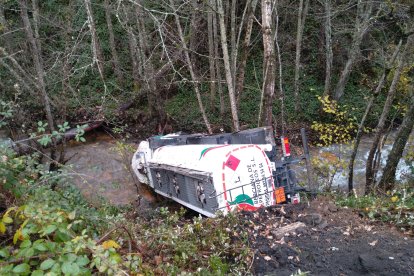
pixel 326 166
pixel 80 131
pixel 55 232
pixel 45 139
pixel 199 245
pixel 6 112
pixel 395 206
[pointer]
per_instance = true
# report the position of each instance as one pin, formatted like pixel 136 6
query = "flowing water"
pixel 341 153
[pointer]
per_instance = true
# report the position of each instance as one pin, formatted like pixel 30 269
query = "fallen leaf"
pixel 110 244
pixel 373 243
pixel 157 260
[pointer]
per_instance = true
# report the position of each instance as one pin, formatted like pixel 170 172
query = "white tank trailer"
pixel 220 173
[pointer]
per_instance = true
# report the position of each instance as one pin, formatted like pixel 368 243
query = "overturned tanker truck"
pixel 220 173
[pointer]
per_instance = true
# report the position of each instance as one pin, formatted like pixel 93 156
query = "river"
pixel 102 171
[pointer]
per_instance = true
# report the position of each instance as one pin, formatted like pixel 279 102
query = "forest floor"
pixel 329 241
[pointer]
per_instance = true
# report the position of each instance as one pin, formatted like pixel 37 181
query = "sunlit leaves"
pixel 342 127
pixel 110 244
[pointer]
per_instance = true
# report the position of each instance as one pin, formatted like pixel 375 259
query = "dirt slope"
pixel 329 241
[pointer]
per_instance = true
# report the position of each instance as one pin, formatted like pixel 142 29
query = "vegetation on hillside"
pixel 141 67
pixel 46 231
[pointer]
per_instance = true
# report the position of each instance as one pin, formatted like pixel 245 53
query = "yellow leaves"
pixel 2 228
pixel 6 220
pixel 341 126
pixel 394 198
pixel 17 236
pixel 72 215
pixel 110 244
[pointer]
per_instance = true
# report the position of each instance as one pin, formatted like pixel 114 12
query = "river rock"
pixel 312 219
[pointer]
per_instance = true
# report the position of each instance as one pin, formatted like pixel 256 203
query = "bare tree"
pixel 211 59
pixel 227 67
pixel 363 21
pixel 155 100
pixel 245 49
pixel 96 46
pixel 38 63
pixel 280 73
pixel 217 60
pixel 302 13
pixel 380 85
pixel 380 128
pixel 20 78
pixel 134 55
pixel 36 23
pixel 328 47
pixel 4 28
pixel 269 70
pixel 112 45
pixel 388 177
pixel 191 69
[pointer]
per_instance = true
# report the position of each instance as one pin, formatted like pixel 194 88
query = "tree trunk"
pixel 279 59
pixel 364 117
pixel 268 63
pixel 67 66
pixel 227 67
pixel 217 62
pixel 361 28
pixel 38 63
pixel 379 130
pixel 387 181
pixel 5 29
pixel 112 45
pixel 155 99
pixel 196 25
pixel 21 75
pixel 136 71
pixel 303 11
pixel 211 59
pixel 19 78
pixel 245 51
pixel 233 40
pixel 328 47
pixel 96 46
pixel 35 13
pixel 191 69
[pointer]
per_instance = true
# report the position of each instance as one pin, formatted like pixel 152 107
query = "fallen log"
pixel 71 133
pixel 29 145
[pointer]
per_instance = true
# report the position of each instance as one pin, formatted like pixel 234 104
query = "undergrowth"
pixel 45 231
pixel 395 207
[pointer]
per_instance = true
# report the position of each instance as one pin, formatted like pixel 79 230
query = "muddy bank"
pixel 331 241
